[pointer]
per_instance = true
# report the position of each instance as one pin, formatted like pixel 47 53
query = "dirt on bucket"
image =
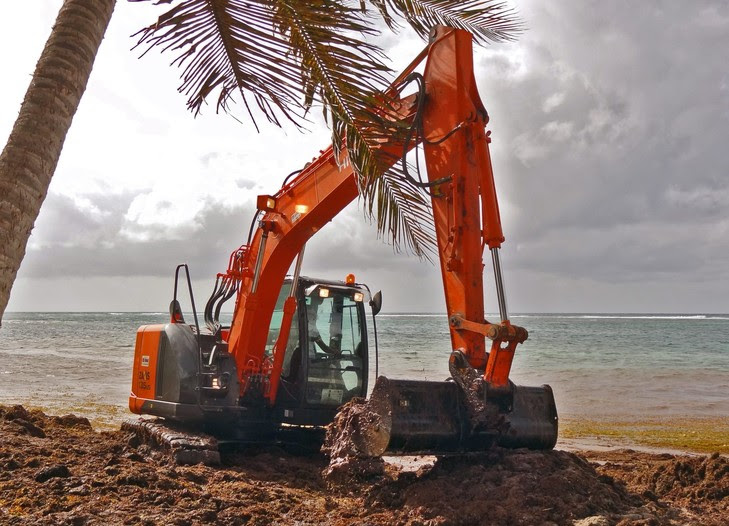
pixel 358 436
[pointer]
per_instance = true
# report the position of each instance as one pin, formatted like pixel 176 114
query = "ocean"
pixel 601 366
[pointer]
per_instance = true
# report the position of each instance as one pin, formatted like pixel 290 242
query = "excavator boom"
pixel 451 130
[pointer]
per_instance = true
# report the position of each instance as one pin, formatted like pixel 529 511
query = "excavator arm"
pixel 465 206
pixel 289 219
pixel 450 120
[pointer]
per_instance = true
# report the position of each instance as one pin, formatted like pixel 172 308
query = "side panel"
pixel 144 372
pixel 166 366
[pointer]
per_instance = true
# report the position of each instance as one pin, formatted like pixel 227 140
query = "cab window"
pixel 335 348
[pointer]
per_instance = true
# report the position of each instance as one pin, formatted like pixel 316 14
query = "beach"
pixel 644 434
pixel 58 470
pixel 577 146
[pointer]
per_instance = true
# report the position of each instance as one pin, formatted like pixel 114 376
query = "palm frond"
pixel 356 108
pixel 338 67
pixel 401 210
pixel 404 211
pixel 487 20
pixel 284 56
pixel 233 46
pixel 247 46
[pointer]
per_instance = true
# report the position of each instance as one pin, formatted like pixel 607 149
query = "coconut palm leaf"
pixel 403 211
pixel 272 52
pixel 356 109
pixel 487 20
pixel 284 56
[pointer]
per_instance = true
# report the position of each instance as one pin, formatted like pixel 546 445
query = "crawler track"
pixel 184 447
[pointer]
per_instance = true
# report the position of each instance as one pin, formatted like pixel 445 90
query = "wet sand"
pixel 668 434
pixel 58 470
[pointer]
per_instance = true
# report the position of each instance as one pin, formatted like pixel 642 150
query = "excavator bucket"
pixel 424 417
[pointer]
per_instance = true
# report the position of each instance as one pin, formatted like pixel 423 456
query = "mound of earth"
pixel 58 470
pixel 357 431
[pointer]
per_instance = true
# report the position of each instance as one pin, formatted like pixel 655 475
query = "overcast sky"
pixel 610 125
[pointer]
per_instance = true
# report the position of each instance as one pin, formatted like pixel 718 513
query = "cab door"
pixel 336 348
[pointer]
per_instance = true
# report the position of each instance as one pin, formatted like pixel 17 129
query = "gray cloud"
pixel 71 241
pixel 91 221
pixel 100 249
pixel 609 127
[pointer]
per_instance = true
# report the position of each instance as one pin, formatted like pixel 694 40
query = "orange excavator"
pixel 297 347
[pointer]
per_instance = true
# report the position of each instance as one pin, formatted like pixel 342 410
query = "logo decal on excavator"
pixel 145 361
pixel 295 217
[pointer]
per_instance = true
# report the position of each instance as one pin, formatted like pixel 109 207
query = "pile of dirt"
pixel 362 427
pixel 355 440
pixel 700 484
pixel 57 470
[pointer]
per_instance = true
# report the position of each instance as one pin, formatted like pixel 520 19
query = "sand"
pixel 58 470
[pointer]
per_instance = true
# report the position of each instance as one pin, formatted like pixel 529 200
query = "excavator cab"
pixel 325 362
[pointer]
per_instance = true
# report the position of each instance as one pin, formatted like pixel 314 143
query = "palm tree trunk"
pixel 30 157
